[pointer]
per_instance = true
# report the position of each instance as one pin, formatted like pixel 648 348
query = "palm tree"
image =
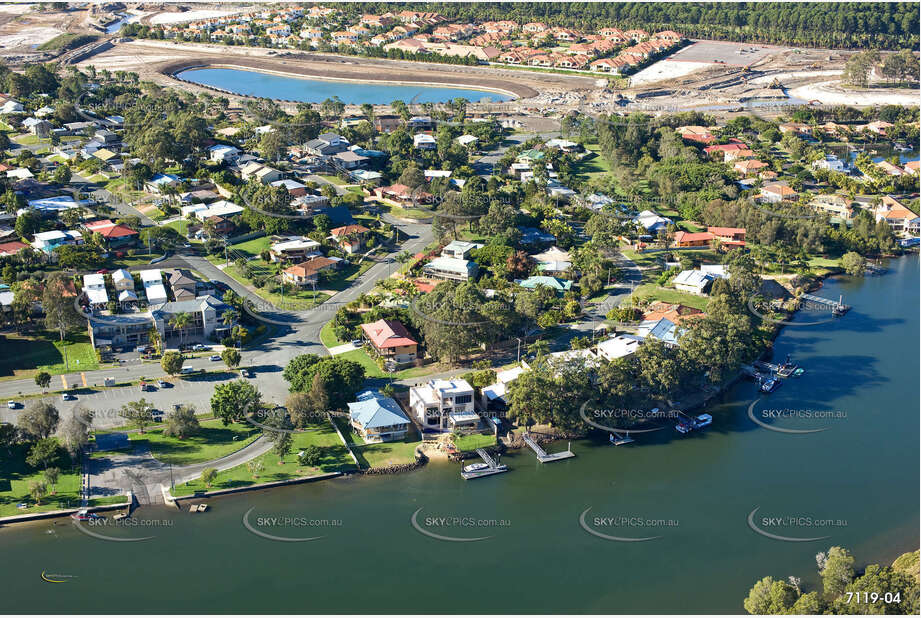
pixel 229 318
pixel 179 322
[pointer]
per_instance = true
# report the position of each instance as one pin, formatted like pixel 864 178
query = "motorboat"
pixel 85 515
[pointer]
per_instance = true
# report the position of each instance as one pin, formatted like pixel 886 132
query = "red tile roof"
pixel 12 248
pixel 387 334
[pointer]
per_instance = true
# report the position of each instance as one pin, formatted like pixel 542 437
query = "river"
pixel 257 84
pixel 694 493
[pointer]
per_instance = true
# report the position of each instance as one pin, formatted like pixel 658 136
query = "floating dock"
pixel 492 467
pixel 618 440
pixel 543 456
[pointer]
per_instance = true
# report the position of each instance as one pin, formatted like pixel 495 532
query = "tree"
pixel 51 477
pixel 312 456
pixel 255 466
pixel 172 362
pixel 231 357
pixel 38 490
pixel 232 400
pixel 39 420
pixel 43 453
pixel 282 445
pixel 837 572
pixel 770 596
pixel 182 423
pixel 138 413
pixel 43 379
pixel 179 322
pixel 208 475
pixel 62 175
pixel 75 430
pixel 854 264
pixel 58 305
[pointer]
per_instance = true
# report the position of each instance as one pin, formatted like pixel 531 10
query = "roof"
pixel 695 278
pixel 374 410
pixel 663 329
pixel 189 306
pixel 121 275
pixel 449 264
pixel 778 189
pixel 551 282
pixel 618 347
pixel 12 248
pixel 726 231
pixel 388 334
pixel 108 229
pixel 310 267
pixel 682 236
pixel 345 230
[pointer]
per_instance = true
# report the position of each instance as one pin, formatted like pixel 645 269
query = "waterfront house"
pixel 391 341
pixel 443 405
pixel 836 205
pixel 663 329
pixel 377 418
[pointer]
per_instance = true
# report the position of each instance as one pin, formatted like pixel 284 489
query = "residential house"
pixel 776 193
pixel 159 182
pixel 557 285
pixel 183 284
pixel 693 281
pixel 459 249
pixel 443 405
pixel 830 163
pixel 424 141
pixel 835 205
pixel 451 268
pixel 494 395
pixel 391 341
pixel 223 153
pixel 378 418
pixel 350 237
pixel 307 273
pixel 115 235
pixel 652 222
pixel 94 289
pixel 618 347
pixel 663 329
pixel 293 187
pixel 349 160
pixel 733 236
pixel 294 248
pixel 11 248
pixel 890 169
pixel 152 280
pixel 47 242
pixel 120 331
pixel 692 239
pixel 897 216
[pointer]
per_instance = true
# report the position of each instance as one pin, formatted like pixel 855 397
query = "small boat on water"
pixel 85 515
pixel 476 467
pixel 798 372
pixel 770 385
pixel 120 516
pixel 701 421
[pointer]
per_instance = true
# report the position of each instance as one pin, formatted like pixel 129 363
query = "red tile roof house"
pixel 307 273
pixel 11 248
pixel 116 236
pixel 402 194
pixel 693 239
pixel 732 236
pixel 391 341
pixel 350 237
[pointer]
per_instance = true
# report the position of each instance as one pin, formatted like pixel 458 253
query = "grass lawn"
pixel 323 435
pixel 382 454
pixel 343 277
pixel 25 356
pixel 213 442
pixel 654 292
pixel 333 179
pixel 592 164
pixel 252 247
pixel 16 476
pixel 302 299
pixel 132 261
pixel 328 337
pixel 474 441
pixel 373 371
pixel 27 139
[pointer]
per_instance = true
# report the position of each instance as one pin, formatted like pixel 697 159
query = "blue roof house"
pixel 377 418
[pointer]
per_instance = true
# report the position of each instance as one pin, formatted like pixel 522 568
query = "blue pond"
pixel 308 90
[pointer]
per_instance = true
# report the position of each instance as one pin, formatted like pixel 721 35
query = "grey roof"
pixel 189 306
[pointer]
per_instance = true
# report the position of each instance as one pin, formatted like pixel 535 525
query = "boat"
pixel 120 516
pixel 684 427
pixel 703 420
pixel 202 508
pixel 85 515
pixel 770 385
pixel 476 467
pixel 798 372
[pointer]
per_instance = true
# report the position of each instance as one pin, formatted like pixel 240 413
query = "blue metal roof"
pixel 374 410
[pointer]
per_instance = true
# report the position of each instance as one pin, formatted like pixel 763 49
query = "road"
pixel 296 333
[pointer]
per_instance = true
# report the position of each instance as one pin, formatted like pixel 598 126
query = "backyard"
pixel 382 454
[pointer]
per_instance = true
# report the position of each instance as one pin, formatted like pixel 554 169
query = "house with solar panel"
pixel 378 418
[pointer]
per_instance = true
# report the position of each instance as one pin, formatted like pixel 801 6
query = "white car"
pixel 12 405
pixel 215 357
pixel 67 397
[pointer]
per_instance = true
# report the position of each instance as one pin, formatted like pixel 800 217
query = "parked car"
pixel 68 397
pixel 357 343
pixel 12 405
pixel 215 357
pixel 200 347
pixel 163 384
pixel 246 373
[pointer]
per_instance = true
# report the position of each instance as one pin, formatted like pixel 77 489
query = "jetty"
pixel 489 467
pixel 543 456
pixel 618 439
pixel 837 307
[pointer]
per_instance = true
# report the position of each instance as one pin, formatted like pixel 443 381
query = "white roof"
pixel 6 297
pixel 151 276
pixel 509 375
pixel 47 236
pixel 423 138
pixel 121 275
pixel 294 244
pixel 96 296
pixel 221 208
pixel 94 281
pixel 126 295
pixel 560 143
pixel 20 173
pixel 716 270
pixel 467 139
pixel 693 278
pixel 618 347
pixel 437 173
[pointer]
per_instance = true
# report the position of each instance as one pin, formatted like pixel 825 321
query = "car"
pixel 163 384
pixel 357 343
pixel 102 271
pixel 214 357
pixel 188 370
pixel 199 347
pixel 246 373
pixel 67 397
pixel 12 405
